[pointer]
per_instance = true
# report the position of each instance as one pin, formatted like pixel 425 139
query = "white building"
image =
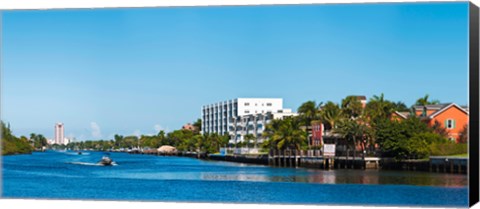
pixel 59 133
pixel 242 116
pixel 66 141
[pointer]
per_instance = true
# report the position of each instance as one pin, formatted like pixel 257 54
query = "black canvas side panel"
pixel 473 106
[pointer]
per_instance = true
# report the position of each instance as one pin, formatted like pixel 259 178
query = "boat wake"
pixel 76 153
pixel 90 164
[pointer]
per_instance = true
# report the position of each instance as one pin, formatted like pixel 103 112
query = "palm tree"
pixel 400 106
pixel 352 107
pixel 424 101
pixel 308 112
pixel 330 113
pixel 285 134
pixel 353 131
pixel 379 108
pixel 270 130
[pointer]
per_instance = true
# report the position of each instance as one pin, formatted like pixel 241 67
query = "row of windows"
pixel 248 104
pixel 263 111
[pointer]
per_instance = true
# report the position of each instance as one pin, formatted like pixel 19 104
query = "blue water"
pixel 64 175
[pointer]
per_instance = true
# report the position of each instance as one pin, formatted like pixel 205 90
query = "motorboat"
pixel 105 161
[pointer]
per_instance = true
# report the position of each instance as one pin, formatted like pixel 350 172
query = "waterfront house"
pixel 450 116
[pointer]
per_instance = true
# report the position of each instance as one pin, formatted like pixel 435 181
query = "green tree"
pixel 354 131
pixel 39 141
pixel 351 107
pixel 119 141
pixel 401 107
pixel 285 134
pixel 308 111
pixel 405 139
pixel 198 126
pixel 378 108
pixel 13 145
pixel 425 101
pixel 330 114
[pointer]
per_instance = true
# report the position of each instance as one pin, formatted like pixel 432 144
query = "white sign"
pixel 329 150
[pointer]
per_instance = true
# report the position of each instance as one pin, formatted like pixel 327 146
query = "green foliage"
pixel 407 139
pixel 198 126
pixel 39 141
pixel 378 108
pixel 430 138
pixel 308 111
pixel 351 107
pixel 400 106
pixel 445 149
pixel 183 140
pixel 13 145
pixel 424 101
pixel 285 134
pixel 330 114
pixel 413 148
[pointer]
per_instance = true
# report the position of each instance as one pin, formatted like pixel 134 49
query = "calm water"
pixel 60 175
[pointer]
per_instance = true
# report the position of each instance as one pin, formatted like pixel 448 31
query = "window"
pixel 269 104
pixel 246 111
pixel 247 104
pixel 450 124
pixel 452 139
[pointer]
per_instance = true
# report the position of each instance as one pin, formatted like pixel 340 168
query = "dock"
pixel 315 159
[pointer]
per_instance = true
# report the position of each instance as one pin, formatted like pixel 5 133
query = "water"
pixel 57 175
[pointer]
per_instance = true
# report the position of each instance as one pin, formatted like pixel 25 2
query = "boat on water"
pixel 106 161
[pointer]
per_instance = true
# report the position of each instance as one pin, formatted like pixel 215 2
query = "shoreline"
pixel 435 164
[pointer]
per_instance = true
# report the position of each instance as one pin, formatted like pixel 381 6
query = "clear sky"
pixel 137 71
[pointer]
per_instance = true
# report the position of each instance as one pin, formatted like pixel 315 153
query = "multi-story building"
pixel 242 116
pixel 59 133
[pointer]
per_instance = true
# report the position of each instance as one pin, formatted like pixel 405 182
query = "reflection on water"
pixel 346 177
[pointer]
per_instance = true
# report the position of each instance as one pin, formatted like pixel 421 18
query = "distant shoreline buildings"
pixel 59 136
pixel 59 133
pixel 242 116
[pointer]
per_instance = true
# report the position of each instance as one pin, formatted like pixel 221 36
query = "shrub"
pixel 448 149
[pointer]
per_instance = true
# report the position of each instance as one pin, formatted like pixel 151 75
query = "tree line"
pixel 370 128
pixel 182 140
pixel 12 144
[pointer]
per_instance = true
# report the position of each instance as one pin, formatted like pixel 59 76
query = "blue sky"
pixel 137 71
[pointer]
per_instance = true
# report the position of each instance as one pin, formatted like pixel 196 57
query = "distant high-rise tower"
pixel 59 133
